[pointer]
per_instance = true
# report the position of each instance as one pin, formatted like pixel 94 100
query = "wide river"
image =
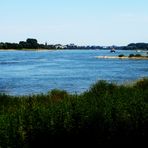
pixel 31 72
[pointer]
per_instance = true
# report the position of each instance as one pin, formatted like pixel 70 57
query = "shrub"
pixel 121 55
pixel 131 55
pixel 138 55
pixel 58 95
pixel 142 84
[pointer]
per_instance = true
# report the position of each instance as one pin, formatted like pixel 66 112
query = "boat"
pixel 112 50
pixel 138 50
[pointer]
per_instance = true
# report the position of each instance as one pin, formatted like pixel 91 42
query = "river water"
pixel 32 72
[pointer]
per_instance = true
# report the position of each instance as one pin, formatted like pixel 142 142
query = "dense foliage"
pixel 28 44
pixel 136 46
pixel 106 114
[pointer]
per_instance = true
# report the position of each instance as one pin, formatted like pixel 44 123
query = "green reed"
pixel 106 113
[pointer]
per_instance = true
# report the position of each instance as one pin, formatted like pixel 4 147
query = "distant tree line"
pixel 83 47
pixel 28 44
pixel 31 43
pixel 136 46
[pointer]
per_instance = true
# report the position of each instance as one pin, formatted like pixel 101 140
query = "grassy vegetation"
pixel 136 55
pixel 133 56
pixel 106 114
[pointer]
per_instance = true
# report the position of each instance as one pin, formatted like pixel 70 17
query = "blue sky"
pixel 83 22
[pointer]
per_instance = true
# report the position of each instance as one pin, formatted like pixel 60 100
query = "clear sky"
pixel 83 22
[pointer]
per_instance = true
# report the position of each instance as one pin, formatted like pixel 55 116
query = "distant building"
pixel 59 46
pixel 45 43
pixel 71 46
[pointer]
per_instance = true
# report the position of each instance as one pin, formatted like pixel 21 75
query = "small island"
pixel 121 56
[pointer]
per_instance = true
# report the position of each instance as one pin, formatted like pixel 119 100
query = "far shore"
pixel 25 49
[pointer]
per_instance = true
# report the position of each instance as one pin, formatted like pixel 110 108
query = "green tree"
pixel 32 43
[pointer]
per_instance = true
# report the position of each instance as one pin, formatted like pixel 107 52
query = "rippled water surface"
pixel 30 72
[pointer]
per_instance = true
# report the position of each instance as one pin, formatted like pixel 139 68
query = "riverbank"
pixel 25 49
pixel 105 115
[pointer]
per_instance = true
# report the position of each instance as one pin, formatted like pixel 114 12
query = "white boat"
pixel 112 50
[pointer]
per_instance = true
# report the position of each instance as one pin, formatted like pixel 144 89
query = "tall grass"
pixel 105 114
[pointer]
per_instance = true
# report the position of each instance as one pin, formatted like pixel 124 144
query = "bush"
pixel 58 95
pixel 121 55
pixel 131 55
pixel 142 84
pixel 138 55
